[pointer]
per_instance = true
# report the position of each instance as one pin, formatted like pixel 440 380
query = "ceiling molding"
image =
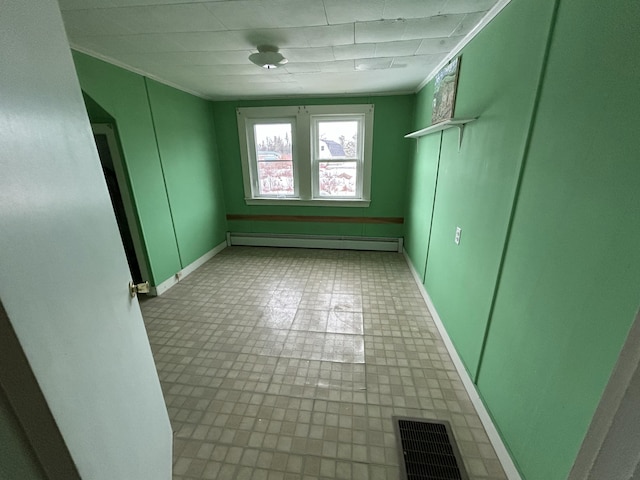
pixel 138 71
pixel 229 98
pixel 497 8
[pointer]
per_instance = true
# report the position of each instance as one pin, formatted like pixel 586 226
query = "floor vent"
pixel 428 450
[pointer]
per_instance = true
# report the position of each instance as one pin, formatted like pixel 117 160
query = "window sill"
pixel 308 203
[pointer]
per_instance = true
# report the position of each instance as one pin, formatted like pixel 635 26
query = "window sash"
pixel 316 159
pixel 254 162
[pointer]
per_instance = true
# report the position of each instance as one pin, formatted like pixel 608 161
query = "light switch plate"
pixel 458 233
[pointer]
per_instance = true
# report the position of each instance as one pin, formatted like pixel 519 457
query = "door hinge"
pixel 134 289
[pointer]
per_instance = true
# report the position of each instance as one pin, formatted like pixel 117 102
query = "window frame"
pixel 252 153
pixel 316 160
pixel 303 149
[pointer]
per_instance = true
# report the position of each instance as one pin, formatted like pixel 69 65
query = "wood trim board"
pixel 316 219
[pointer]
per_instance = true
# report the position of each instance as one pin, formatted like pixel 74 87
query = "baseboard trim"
pixel 381 244
pixel 158 290
pixel 494 437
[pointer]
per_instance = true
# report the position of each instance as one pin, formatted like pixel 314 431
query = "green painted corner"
pixel 421 188
pixel 170 155
pixel 188 152
pixel 123 95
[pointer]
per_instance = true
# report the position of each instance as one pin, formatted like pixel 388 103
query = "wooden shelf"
pixel 458 123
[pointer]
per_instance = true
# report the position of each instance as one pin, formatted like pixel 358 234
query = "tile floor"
pixel 289 364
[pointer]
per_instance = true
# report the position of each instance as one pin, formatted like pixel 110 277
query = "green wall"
pixel 545 188
pixel 392 120
pixel 421 185
pixel 123 95
pixel 477 182
pixel 571 277
pixel 186 141
pixel 168 142
pixel 97 114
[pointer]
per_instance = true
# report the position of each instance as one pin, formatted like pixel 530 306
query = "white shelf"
pixel 458 123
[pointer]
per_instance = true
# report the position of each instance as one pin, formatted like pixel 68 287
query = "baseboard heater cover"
pixel 428 450
pixel 383 244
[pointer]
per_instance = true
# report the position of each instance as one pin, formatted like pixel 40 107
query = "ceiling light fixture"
pixel 268 57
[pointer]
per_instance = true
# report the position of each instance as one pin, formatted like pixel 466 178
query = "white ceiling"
pixel 334 47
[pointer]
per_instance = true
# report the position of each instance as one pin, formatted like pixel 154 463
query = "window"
pixel 310 155
pixel 273 166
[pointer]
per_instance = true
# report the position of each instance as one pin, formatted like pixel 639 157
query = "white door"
pixel 63 274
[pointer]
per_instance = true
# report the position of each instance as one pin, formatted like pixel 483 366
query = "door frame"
pixel 109 130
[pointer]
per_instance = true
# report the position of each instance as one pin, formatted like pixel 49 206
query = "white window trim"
pixel 303 152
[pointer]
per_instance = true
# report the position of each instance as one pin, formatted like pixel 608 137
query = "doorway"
pixel 113 169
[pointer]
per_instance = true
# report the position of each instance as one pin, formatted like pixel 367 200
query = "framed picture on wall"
pixel 444 93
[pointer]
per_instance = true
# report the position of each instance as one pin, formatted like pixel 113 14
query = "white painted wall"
pixel 611 448
pixel 63 273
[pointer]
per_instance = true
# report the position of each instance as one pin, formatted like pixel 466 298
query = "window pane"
pixel 276 178
pixel 275 162
pixel 338 139
pixel 338 179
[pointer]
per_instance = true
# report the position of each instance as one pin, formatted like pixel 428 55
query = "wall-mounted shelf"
pixel 458 123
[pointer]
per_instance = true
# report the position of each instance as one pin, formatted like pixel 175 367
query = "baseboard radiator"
pixel 381 244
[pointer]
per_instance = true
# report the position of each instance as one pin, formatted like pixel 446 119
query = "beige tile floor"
pixel 289 364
